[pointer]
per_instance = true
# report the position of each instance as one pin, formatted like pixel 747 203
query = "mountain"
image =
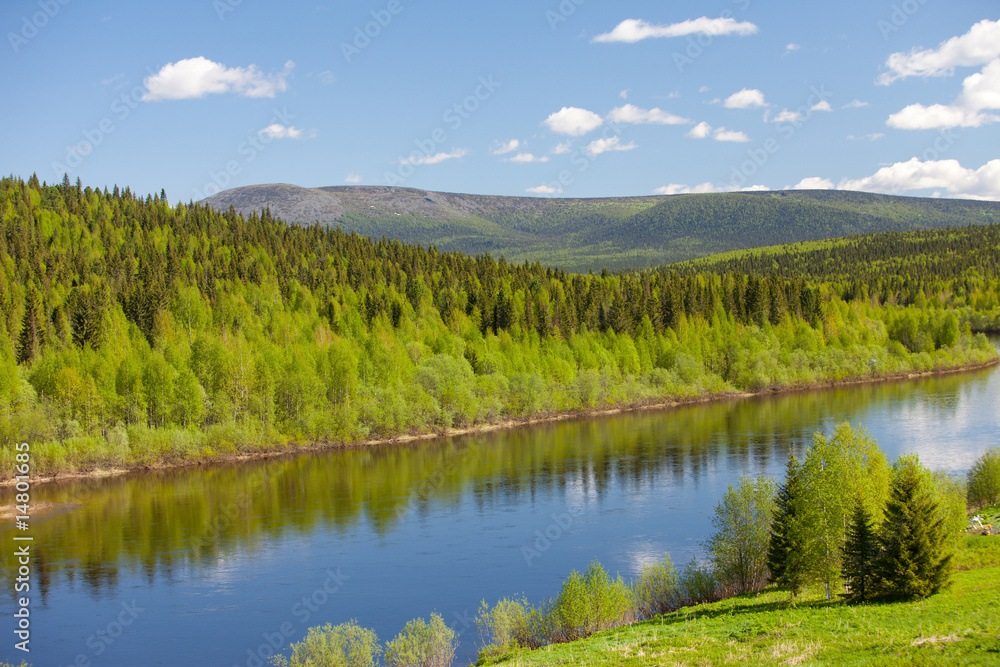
pixel 615 232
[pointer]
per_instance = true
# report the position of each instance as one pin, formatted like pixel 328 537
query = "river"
pixel 213 565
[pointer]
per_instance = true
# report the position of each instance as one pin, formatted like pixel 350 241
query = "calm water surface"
pixel 204 566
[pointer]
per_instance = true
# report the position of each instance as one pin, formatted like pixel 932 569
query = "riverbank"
pixel 957 626
pixel 294 448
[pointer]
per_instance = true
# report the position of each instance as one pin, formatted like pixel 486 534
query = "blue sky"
pixel 575 98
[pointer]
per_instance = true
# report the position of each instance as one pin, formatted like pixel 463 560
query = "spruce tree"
pixel 913 562
pixel 784 549
pixel 861 551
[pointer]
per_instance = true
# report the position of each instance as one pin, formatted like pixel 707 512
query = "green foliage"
pixel 786 544
pixel 191 327
pixel 984 479
pixel 657 590
pixel 422 644
pixel 344 645
pixel 742 520
pixel 861 553
pixel 913 562
pixel 511 623
pixel 589 603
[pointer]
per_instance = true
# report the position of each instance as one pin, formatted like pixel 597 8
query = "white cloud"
pixel 979 91
pixel 976 47
pixel 599 146
pixel 787 116
pixel 279 131
pixel 544 190
pixel 855 104
pixel 704 89
pixel 633 114
pixel 421 160
pixel 623 94
pixel 949 175
pixel 813 183
pixel 635 30
pixel 790 48
pixel 505 147
pixel 353 177
pixel 874 136
pixel 703 130
pixel 704 188
pixel 822 105
pixel 722 134
pixel 573 121
pixel 563 148
pixel 699 131
pixel 326 77
pixel 748 98
pixel 197 77
pixel 526 158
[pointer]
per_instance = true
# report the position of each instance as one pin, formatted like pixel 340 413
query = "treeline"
pixel 133 332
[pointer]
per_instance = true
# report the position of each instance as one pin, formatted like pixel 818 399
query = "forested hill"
pixel 614 233
pixel 135 333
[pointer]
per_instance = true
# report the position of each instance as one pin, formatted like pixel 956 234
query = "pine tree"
pixel 913 563
pixel 861 551
pixel 784 549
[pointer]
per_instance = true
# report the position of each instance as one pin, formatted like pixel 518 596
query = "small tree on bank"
pixel 743 520
pixel 861 552
pixel 984 479
pixel 785 548
pixel 913 561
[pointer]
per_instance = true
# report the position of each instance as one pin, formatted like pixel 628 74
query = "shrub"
pixel 422 644
pixel 697 585
pixel 510 624
pixel 344 645
pixel 589 603
pixel 656 589
pixel 984 479
pixel 743 523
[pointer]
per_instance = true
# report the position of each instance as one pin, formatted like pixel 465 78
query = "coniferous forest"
pixel 137 333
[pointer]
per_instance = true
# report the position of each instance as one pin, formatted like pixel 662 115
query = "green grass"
pixel 960 626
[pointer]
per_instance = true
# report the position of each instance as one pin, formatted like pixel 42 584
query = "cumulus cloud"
pixel 703 130
pixel 980 91
pixel 197 77
pixel 631 31
pixel 611 144
pixel 978 46
pixel 633 114
pixel 353 177
pixel 700 131
pixel 573 121
pixel 722 134
pixel 526 158
pixel 279 131
pixel 748 98
pixel 822 105
pixel 813 183
pixel 563 148
pixel 704 188
pixel 505 147
pixel 544 190
pixel 422 160
pixel 787 116
pixel 947 175
pixel 792 47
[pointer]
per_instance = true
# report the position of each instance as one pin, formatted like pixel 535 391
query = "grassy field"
pixel 958 627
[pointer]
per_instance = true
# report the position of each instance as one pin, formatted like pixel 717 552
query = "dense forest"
pixel 617 233
pixel 136 333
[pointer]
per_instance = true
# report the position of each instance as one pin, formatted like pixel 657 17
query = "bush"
pixel 697 585
pixel 743 523
pixel 984 479
pixel 508 625
pixel 590 603
pixel 344 645
pixel 422 644
pixel 656 590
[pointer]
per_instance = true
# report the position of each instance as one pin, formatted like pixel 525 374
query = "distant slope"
pixel 616 233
